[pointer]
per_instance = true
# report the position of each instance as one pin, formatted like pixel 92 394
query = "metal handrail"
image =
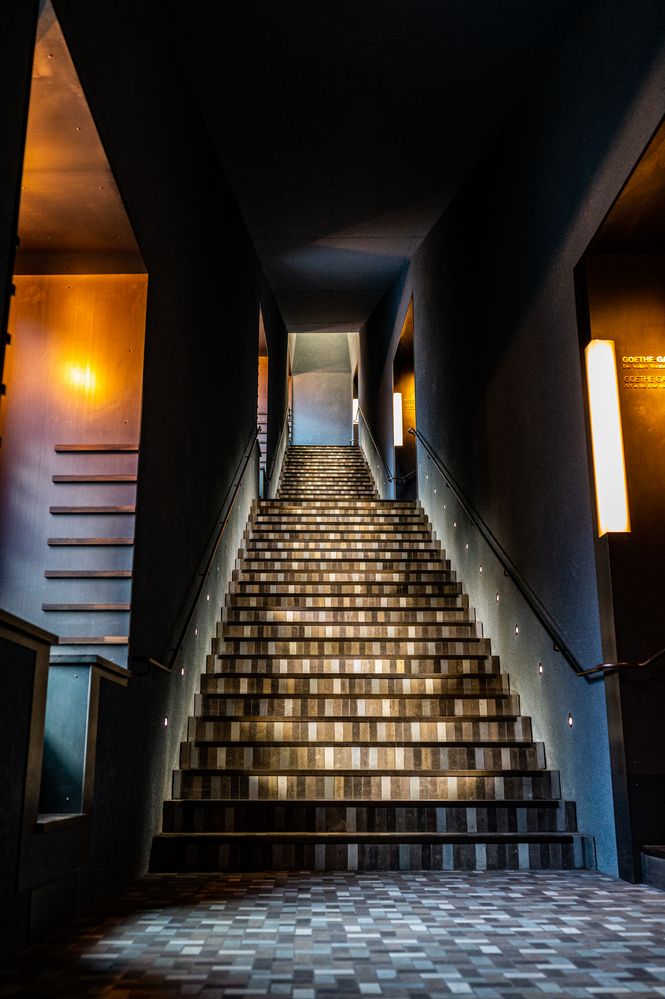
pixel 285 423
pixel 509 568
pixel 376 446
pixel 646 664
pixel 227 505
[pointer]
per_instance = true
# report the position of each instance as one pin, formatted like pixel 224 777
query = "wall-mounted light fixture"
pixel 398 434
pixel 355 412
pixel 607 438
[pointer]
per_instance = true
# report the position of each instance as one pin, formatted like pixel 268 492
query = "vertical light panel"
pixel 607 438
pixel 398 436
pixel 355 411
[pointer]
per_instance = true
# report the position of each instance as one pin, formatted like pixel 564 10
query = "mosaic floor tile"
pixel 492 935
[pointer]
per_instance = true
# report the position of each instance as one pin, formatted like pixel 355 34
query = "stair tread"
pixel 457 803
pixel 375 772
pixel 388 837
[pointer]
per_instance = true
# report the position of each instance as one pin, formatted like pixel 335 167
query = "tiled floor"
pixel 309 936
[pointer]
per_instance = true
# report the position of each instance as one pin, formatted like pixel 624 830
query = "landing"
pixel 572 934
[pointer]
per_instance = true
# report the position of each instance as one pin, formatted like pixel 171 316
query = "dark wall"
pixel 498 377
pixel 200 375
pixel 17 37
pixel 499 388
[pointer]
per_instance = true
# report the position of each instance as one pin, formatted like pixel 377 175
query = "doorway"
pixel 262 402
pixel 404 412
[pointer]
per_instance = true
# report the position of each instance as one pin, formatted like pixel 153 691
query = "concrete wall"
pixel 322 389
pixel 498 373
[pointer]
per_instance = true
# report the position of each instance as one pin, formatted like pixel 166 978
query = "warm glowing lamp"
pixel 81 377
pixel 398 434
pixel 607 438
pixel 355 411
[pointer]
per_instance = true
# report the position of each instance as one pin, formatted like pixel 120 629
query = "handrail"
pixel 217 533
pixel 285 423
pixel 376 446
pixel 531 598
pixel 646 664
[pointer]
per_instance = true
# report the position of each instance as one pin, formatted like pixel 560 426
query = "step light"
pixel 607 438
pixel 397 419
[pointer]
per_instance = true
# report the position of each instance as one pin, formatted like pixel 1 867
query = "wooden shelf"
pixel 93 509
pixel 88 573
pixel 96 448
pixel 86 607
pixel 94 478
pixel 74 542
pixel 94 640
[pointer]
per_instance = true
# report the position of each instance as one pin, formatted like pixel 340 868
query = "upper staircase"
pixel 352 715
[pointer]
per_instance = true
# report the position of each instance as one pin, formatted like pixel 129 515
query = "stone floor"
pixel 310 936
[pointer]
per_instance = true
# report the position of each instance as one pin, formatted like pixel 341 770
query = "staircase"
pixel 353 716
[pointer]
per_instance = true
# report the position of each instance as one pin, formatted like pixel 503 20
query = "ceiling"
pixel 345 126
pixel 71 216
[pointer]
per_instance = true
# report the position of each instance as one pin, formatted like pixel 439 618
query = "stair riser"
pixel 368 707
pixel 349 647
pixel 356 686
pixel 189 784
pixel 387 665
pixel 359 732
pixel 334 507
pixel 339 632
pixel 342 604
pixel 396 587
pixel 411 666
pixel 361 758
pixel 256 548
pixel 350 523
pixel 258 617
pixel 281 817
pixel 258 856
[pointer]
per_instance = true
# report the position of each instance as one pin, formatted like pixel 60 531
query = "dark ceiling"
pixel 345 126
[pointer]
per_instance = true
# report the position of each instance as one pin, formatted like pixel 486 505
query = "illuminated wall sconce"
pixel 607 438
pixel 355 412
pixel 398 434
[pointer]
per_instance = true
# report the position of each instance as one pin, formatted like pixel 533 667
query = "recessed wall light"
pixel 570 720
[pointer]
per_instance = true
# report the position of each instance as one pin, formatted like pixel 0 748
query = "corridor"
pixel 312 936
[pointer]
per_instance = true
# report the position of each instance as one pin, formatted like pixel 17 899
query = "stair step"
pixel 299 548
pixel 374 852
pixel 305 815
pixel 340 728
pixel 354 685
pixel 387 646
pixel 323 705
pixel 259 616
pixel 448 784
pixel 305 603
pixel 447 588
pixel 338 758
pixel 412 665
